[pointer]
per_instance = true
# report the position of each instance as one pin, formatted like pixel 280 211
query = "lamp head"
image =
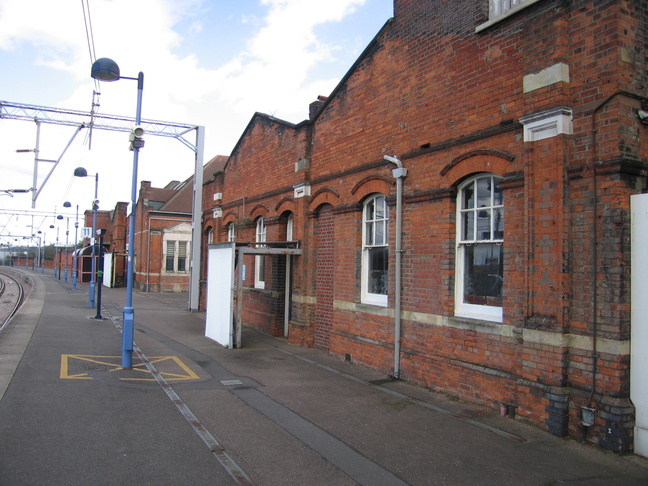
pixel 105 69
pixel 80 172
pixel 67 204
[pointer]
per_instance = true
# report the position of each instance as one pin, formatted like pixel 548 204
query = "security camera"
pixel 392 158
pixel 138 131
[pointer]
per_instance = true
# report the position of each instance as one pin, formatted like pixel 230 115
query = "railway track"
pixel 14 288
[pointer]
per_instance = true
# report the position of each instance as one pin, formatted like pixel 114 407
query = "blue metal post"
pixel 74 252
pixel 91 290
pixel 129 311
pixel 67 233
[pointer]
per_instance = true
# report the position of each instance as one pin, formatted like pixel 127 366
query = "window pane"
pixel 369 241
pixel 170 256
pixel 484 192
pixel 380 233
pixel 380 208
pixel 483 274
pixel 182 256
pixel 378 265
pixel 468 200
pixel 369 215
pixel 261 268
pixel 498 224
pixel 290 226
pixel 483 224
pixel 261 230
pixel 498 199
pixel 468 229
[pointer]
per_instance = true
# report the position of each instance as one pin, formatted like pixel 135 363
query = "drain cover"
pixel 231 382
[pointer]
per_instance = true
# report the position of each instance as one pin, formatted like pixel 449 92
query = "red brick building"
pixel 520 142
pixel 163 234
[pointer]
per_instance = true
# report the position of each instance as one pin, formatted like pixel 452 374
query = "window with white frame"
pixel 170 256
pixel 290 227
pixel 480 244
pixel 259 260
pixel 175 256
pixel 500 7
pixel 375 251
pixel 231 232
pixel 182 256
pixel 210 236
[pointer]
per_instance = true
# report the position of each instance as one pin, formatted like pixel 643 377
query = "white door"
pixel 639 321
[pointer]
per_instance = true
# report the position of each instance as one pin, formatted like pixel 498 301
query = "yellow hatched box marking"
pixel 79 366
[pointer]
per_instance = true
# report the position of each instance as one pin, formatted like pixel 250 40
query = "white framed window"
pixel 290 227
pixel 182 256
pixel 480 249
pixel 231 232
pixel 375 251
pixel 498 10
pixel 175 256
pixel 170 256
pixel 210 236
pixel 259 260
pixel 500 7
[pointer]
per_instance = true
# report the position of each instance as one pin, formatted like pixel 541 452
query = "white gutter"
pixel 399 174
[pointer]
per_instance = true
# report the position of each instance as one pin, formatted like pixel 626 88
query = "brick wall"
pixel 453 103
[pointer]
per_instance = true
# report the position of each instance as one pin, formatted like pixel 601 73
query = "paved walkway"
pixel 192 412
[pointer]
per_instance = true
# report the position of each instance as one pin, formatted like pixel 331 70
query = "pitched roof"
pixel 181 199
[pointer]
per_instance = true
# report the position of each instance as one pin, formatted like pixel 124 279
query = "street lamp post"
pixel 67 204
pixel 75 263
pixel 67 240
pixel 58 249
pixel 54 254
pixel 81 172
pixel 100 234
pixel 105 69
pixel 41 257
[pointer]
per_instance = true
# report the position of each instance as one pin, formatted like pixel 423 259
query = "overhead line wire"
pixel 87 19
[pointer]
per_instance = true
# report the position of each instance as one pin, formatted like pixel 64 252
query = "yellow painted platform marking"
pixel 76 367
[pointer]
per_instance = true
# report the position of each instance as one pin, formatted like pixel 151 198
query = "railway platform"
pixel 269 413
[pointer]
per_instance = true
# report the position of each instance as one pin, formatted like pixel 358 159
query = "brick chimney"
pixel 315 106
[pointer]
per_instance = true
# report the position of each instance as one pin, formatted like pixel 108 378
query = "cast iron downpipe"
pixel 399 174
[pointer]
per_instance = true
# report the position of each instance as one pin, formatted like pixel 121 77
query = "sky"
pixel 205 62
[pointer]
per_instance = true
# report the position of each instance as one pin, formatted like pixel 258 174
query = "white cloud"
pixel 271 75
